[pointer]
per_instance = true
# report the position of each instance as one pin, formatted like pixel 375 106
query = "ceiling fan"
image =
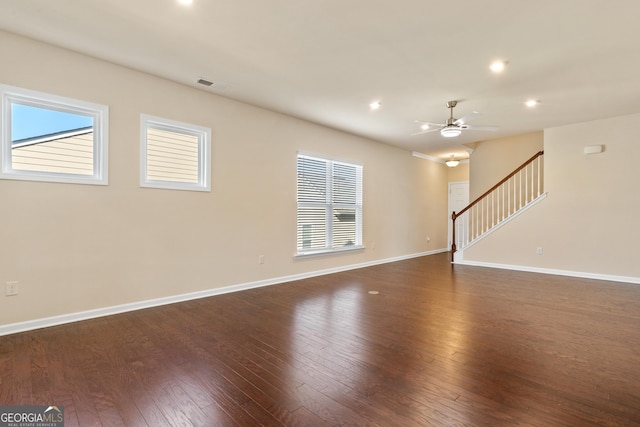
pixel 453 127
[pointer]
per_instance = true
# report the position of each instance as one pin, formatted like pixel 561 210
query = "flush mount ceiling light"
pixel 452 162
pixel 451 131
pixel 532 103
pixel 375 105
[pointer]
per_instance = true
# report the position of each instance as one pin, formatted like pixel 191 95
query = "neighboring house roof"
pixel 51 137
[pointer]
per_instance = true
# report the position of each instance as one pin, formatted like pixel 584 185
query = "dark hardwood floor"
pixel 438 345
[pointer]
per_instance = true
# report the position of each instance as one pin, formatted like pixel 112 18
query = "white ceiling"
pixel 326 60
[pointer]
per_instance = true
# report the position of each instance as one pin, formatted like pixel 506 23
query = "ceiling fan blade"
pixel 432 127
pixel 487 128
pixel 427 130
pixel 471 116
pixel 431 123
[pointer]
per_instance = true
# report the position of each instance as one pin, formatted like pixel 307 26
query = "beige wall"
pixel 588 222
pixel 494 159
pixel 80 247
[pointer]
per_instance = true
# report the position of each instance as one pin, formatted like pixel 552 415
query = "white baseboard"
pixel 108 311
pixel 578 274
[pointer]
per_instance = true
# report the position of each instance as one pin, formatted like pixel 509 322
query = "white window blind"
pixel 329 205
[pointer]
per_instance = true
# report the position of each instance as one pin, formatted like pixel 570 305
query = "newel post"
pixel 453 234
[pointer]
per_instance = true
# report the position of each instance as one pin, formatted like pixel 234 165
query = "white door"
pixel 458 200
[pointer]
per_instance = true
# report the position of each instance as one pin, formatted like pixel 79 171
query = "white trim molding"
pixel 435 159
pixel 569 273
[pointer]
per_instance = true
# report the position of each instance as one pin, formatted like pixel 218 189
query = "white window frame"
pixel 204 153
pixel 329 205
pixel 99 113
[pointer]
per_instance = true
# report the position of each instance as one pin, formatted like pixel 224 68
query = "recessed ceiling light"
pixel 532 103
pixel 498 66
pixel 185 2
pixel 375 105
pixel 424 126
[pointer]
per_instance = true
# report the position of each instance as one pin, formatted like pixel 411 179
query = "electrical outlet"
pixel 12 289
pixel 260 259
pixel 539 251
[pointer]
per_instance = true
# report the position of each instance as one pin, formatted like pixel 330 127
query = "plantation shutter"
pixel 329 205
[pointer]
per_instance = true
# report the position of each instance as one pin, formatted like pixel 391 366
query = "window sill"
pixel 325 252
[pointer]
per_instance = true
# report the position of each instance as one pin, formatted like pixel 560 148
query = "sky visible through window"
pixel 29 122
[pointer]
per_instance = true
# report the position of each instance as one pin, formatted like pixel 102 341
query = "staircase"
pixel 517 192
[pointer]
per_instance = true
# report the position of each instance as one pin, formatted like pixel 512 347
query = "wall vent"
pixel 204 82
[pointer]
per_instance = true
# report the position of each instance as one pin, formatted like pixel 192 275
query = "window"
pixel 174 155
pixel 50 138
pixel 329 205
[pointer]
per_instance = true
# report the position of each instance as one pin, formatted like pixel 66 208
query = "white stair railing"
pixel 513 193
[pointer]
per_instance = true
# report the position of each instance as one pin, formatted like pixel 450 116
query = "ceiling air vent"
pixel 204 82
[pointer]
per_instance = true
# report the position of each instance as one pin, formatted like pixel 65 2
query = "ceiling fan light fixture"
pixel 451 131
